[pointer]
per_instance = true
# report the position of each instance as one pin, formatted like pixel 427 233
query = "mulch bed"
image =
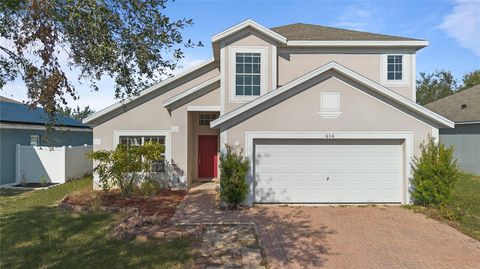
pixel 164 203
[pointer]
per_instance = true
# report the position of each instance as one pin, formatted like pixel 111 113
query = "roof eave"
pixel 418 44
pixel 121 103
pixel 345 71
pixel 169 103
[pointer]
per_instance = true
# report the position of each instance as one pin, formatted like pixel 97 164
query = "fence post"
pixel 17 163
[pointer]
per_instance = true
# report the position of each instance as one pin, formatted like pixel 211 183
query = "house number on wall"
pixel 329 136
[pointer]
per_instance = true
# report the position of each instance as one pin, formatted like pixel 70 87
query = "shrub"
pixel 434 174
pixel 149 187
pixel 451 210
pixel 124 165
pixel 233 184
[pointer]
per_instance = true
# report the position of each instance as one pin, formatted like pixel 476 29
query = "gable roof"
pixel 249 23
pixel 463 106
pixel 303 31
pixel 347 72
pixel 20 113
pixel 310 35
pixel 151 89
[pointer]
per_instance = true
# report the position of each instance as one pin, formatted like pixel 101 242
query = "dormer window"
pixel 394 67
pixel 247 74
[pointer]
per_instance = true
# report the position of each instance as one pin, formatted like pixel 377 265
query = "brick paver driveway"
pixel 342 237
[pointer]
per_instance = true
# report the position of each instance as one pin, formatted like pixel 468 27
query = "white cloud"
pixel 463 24
pixel 187 63
pixel 360 17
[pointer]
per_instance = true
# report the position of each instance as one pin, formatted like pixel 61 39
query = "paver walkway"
pixel 341 237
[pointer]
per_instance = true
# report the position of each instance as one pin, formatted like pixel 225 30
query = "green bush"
pixel 233 183
pixel 451 210
pixel 126 164
pixel 148 187
pixel 434 174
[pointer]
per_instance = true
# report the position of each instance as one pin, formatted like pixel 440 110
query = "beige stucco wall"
pixel 151 115
pixel 286 64
pixel 296 62
pixel 246 38
pixel 361 112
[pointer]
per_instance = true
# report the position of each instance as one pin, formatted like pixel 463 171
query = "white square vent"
pixel 330 105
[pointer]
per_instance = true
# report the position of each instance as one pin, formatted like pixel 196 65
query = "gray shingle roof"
pixel 452 107
pixel 302 31
pixel 20 113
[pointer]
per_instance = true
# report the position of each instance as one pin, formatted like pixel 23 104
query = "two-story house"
pixel 325 115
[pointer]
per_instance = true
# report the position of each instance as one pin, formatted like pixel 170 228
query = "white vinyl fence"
pixel 52 164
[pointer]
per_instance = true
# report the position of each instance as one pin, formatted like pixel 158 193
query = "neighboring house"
pixel 21 125
pixel 325 115
pixel 464 109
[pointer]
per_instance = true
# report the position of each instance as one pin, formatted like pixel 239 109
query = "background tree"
pixel 76 113
pixel 470 79
pixel 132 41
pixel 431 87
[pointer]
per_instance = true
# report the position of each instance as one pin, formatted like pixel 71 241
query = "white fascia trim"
pixel 407 136
pixel 348 72
pixel 166 133
pixel 467 122
pixel 203 108
pixel 5 125
pixel 254 25
pixel 357 43
pixel 146 91
pixel 190 91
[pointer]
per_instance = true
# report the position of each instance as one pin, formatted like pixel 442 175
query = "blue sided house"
pixel 24 126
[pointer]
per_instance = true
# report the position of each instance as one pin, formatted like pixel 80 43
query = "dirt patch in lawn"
pixel 229 246
pixel 163 203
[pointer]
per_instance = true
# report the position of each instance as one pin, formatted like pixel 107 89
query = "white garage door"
pixel 328 171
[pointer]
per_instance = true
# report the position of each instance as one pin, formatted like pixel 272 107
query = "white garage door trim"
pixel 406 136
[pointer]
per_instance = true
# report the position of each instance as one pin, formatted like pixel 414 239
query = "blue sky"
pixel 452 27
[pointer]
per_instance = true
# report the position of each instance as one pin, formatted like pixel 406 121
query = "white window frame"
pixel 166 133
pixel 326 112
pixel 212 116
pixel 406 68
pixel 233 50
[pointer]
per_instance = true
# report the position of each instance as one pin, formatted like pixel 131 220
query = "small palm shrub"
pixel 434 174
pixel 233 172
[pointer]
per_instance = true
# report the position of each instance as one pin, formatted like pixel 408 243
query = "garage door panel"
pixel 358 171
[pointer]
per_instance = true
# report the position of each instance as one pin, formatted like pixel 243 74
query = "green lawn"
pixel 466 193
pixel 35 234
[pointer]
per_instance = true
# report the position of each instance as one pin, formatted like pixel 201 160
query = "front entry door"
pixel 207 156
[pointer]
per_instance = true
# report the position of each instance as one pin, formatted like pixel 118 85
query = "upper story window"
pixel 247 74
pixel 394 67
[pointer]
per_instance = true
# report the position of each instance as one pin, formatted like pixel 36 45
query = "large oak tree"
pixel 132 41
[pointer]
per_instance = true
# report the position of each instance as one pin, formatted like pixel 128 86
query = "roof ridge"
pixel 339 29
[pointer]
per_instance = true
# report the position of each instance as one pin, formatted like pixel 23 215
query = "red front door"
pixel 207 156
